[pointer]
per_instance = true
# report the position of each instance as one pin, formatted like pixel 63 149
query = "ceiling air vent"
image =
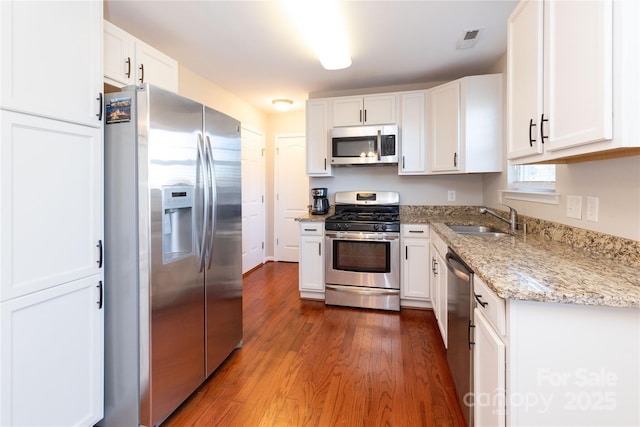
pixel 469 38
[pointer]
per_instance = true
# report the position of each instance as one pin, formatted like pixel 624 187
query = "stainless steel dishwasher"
pixel 460 331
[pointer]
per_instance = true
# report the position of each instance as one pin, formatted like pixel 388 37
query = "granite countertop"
pixel 532 267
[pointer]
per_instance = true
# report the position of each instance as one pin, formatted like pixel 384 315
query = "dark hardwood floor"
pixel 307 364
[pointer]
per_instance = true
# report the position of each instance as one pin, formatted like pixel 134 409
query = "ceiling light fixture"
pixel 322 25
pixel 282 104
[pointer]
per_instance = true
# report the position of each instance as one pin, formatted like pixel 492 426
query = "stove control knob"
pixel 383 227
pixel 376 227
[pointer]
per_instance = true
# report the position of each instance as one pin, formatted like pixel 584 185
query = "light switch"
pixel 574 207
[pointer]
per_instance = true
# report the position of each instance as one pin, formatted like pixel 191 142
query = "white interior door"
pixel 292 194
pixel 253 180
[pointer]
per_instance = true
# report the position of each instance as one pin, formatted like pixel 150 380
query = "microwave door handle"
pixel 379 143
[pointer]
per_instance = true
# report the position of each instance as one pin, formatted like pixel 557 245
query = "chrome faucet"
pixel 512 220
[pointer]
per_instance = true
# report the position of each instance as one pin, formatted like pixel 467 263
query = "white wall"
pixel 414 190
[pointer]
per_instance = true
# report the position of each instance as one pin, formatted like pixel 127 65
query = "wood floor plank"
pixel 306 364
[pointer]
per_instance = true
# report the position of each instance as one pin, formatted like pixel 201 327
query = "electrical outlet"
pixel 592 208
pixel 451 196
pixel 574 207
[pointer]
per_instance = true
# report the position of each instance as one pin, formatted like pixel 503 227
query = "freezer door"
pixel 171 202
pixel 223 273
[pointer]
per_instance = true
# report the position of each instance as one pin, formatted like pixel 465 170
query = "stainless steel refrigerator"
pixel 173 273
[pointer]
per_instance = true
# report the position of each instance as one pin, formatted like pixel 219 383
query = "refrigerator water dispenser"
pixel 177 222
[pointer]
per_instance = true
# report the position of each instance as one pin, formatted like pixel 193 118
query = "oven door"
pixel 366 259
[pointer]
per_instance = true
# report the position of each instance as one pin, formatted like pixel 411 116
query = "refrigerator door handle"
pixel 205 217
pixel 213 201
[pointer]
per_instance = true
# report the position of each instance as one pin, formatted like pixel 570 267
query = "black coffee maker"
pixel 320 204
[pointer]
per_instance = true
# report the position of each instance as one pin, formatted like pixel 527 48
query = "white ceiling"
pixel 250 49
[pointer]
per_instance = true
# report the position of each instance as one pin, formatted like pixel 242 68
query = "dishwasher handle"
pixel 456 267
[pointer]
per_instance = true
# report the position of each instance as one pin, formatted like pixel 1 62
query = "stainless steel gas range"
pixel 362 265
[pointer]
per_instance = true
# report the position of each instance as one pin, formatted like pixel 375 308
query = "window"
pixel 532 183
pixel 532 177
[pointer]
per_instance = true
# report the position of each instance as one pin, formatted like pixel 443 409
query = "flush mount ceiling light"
pixel 282 104
pixel 322 25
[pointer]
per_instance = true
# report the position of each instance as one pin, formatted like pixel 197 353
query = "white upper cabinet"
pixel 413 143
pixel 364 110
pixel 318 137
pixel 464 125
pixel 578 68
pixel 444 127
pixel 524 78
pixel 562 79
pixel 41 78
pixel 119 56
pixel 131 61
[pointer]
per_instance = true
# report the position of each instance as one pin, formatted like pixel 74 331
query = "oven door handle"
pixel 365 237
pixel 361 291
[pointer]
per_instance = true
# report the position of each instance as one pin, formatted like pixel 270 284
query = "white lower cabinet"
pixel 51 356
pixel 439 273
pixel 311 260
pixel 489 377
pixel 414 270
pixel 550 364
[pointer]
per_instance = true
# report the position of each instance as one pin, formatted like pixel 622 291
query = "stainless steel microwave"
pixel 364 145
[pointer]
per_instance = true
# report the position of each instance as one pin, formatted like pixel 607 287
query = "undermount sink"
pixel 478 230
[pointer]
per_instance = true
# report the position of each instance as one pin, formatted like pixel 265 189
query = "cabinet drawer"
pixel 418 231
pixel 311 229
pixel 438 243
pixel 493 307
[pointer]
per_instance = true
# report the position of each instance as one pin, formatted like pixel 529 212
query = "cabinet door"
pixel 55 66
pixel 119 60
pixel 442 272
pixel 156 68
pixel 379 109
pixel 524 79
pixel 444 127
pixel 311 263
pixel 51 357
pixel 433 283
pixel 50 203
pixel 318 137
pixel 348 111
pixel 489 375
pixel 578 69
pixel 415 269
pixel 412 130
